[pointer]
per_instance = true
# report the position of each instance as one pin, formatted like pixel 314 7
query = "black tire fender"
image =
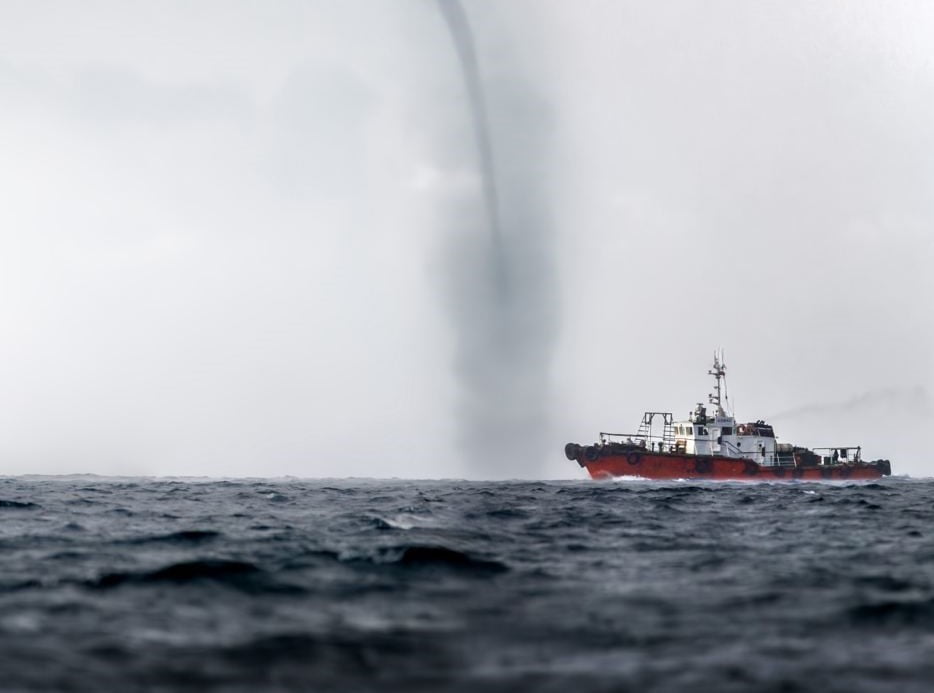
pixel 703 466
pixel 591 453
pixel 633 458
pixel 750 468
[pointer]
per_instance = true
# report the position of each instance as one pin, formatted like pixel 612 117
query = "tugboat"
pixel 714 446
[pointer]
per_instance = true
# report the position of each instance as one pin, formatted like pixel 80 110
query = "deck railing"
pixel 658 443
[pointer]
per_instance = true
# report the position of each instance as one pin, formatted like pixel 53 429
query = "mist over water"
pixel 500 279
pixel 914 399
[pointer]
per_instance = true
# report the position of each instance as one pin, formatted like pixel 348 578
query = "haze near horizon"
pixel 244 240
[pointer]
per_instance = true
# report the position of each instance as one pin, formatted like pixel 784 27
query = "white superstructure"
pixel 718 433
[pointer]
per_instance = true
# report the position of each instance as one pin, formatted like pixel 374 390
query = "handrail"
pixel 632 436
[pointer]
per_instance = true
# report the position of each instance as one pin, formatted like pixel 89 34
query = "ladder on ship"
pixel 668 431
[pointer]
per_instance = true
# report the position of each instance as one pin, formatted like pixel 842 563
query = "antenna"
pixel 719 372
pixel 726 396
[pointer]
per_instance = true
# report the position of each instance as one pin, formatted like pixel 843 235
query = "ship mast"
pixel 719 372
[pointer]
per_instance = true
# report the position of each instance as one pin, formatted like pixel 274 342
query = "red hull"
pixel 650 465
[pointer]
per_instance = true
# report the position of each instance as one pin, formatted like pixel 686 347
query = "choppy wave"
pixel 188 571
pixel 367 585
pixel 16 505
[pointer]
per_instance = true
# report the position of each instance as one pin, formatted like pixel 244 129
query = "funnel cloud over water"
pixel 500 290
pixel 462 36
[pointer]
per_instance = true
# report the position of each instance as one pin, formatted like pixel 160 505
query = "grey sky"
pixel 223 229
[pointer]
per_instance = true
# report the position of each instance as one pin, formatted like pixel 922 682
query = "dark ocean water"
pixel 116 584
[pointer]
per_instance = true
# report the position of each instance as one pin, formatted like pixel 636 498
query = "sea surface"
pixel 294 585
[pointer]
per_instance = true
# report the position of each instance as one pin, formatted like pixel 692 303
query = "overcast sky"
pixel 226 229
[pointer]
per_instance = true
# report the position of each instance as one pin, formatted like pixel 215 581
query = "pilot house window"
pixel 727 431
